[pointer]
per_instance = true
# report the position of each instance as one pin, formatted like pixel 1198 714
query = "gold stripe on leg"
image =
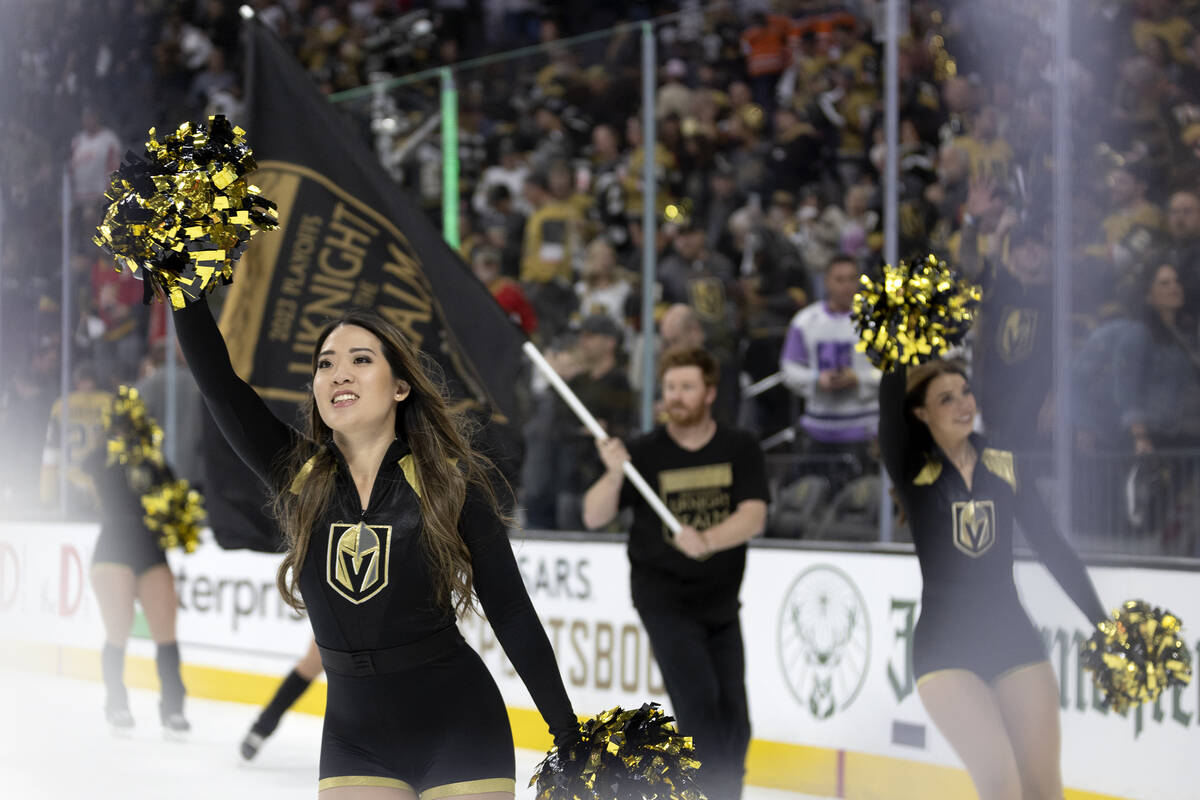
pixel 470 787
pixel 937 672
pixel 362 780
pixel 1018 668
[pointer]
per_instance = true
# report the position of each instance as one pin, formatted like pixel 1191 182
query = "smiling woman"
pixel 981 666
pixel 350 367
pixel 392 529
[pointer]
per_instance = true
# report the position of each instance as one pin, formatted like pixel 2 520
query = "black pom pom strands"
pixel 182 216
pixel 1137 654
pixel 622 754
pixel 914 313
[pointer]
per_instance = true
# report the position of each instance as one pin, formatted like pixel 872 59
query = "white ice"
pixel 54 744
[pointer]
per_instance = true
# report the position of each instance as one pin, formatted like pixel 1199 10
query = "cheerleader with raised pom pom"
pixel 981 666
pixel 392 522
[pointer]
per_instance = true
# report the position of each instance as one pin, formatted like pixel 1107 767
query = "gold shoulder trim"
pixel 302 475
pixel 408 466
pixel 929 473
pixel 1001 464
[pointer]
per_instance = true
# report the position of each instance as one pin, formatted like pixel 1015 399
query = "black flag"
pixel 348 236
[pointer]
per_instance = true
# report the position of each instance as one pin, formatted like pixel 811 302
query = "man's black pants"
pixel 703 665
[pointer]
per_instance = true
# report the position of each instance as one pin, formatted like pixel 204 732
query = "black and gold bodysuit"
pixel 124 538
pixel 410 704
pixel 971 617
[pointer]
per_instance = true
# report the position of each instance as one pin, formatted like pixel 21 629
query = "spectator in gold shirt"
pixel 991 156
pixel 1130 208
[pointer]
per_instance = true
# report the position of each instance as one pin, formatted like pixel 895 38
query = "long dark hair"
pixel 447 465
pixel 916 389
pixel 1140 302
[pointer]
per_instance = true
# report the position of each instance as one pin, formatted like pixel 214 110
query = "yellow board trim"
pixel 141 673
pixel 482 786
pixel 774 765
pixel 362 780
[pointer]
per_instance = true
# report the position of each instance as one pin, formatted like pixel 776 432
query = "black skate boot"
pixel 170 709
pixel 116 703
pixel 286 695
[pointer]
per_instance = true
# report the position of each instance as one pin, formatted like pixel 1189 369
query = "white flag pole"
pixel 593 426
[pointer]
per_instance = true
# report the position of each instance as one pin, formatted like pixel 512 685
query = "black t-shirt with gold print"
pixel 702 488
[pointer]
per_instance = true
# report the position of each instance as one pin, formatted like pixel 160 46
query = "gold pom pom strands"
pixel 618 754
pixel 175 512
pixel 180 218
pixel 1137 654
pixel 133 435
pixel 914 313
pixel 171 507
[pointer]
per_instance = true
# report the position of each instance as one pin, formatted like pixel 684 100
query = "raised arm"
pixel 1055 552
pixel 508 608
pixel 258 437
pixel 893 427
pixel 602 500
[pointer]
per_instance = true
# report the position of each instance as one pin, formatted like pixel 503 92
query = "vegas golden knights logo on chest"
pixel 356 562
pixel 707 297
pixel 974 526
pixel 1018 331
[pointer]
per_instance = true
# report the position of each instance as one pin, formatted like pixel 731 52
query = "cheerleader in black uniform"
pixel 128 564
pixel 392 527
pixel 982 671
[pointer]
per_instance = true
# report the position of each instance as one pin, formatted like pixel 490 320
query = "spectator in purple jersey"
pixel 820 364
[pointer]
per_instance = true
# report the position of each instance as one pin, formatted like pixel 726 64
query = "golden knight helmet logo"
pixel 357 566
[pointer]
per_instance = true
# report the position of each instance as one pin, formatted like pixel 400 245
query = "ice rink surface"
pixel 54 744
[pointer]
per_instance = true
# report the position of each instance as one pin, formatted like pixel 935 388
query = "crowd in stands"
pixel 769 159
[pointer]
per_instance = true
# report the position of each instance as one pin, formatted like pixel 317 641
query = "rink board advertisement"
pixel 228 604
pixel 828 640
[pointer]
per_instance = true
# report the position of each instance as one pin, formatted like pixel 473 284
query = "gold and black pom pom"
pixel 174 511
pixel 915 313
pixel 133 435
pixel 171 508
pixel 182 216
pixel 1137 654
pixel 621 754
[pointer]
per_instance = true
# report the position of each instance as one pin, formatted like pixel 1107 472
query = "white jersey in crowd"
pixel 819 340
pixel 93 158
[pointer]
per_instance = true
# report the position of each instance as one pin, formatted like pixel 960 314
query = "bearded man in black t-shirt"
pixel 685 587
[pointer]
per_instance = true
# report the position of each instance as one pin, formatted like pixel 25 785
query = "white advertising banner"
pixel 828 650
pixel 828 642
pixel 230 613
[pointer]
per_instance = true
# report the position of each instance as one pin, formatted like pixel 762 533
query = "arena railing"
pixel 403 112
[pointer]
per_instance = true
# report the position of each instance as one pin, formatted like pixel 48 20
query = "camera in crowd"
pixel 397 43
